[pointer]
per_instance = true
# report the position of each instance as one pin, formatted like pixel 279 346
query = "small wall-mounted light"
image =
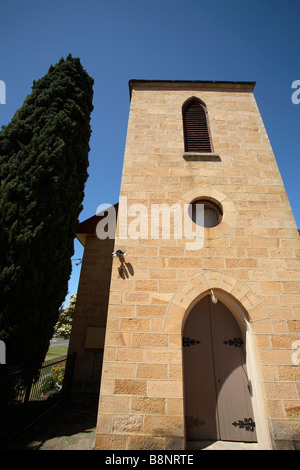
pixel 119 253
pixel 213 297
pixel 79 261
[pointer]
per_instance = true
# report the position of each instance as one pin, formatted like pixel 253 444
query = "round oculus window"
pixel 205 213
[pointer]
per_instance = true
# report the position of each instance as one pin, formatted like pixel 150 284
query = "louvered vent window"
pixel 195 126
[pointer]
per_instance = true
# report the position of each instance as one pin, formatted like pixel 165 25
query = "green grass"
pixel 57 351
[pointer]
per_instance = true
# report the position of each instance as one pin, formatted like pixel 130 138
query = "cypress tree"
pixel 43 170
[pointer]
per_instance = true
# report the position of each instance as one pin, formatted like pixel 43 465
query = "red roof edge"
pixel 88 226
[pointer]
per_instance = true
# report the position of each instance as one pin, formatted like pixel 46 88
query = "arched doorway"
pixel 217 391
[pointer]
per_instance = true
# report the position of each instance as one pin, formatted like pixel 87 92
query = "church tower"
pixel 202 332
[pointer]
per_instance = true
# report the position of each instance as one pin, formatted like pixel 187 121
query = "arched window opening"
pixel 195 127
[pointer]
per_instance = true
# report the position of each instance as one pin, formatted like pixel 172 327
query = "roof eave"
pixel 88 226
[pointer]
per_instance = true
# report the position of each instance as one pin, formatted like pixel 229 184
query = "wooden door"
pixel 216 388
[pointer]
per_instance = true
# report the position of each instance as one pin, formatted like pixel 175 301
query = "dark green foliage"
pixel 43 170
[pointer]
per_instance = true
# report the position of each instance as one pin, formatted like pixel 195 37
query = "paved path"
pixel 69 426
pixel 58 342
pixel 222 445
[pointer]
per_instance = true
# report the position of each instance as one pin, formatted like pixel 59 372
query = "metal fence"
pixel 23 399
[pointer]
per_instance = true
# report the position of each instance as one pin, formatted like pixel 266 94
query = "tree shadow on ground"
pixel 69 420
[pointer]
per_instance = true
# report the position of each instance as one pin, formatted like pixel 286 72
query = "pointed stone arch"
pixel 249 312
pixel 197 287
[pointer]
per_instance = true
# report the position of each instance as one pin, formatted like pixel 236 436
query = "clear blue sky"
pixel 118 40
